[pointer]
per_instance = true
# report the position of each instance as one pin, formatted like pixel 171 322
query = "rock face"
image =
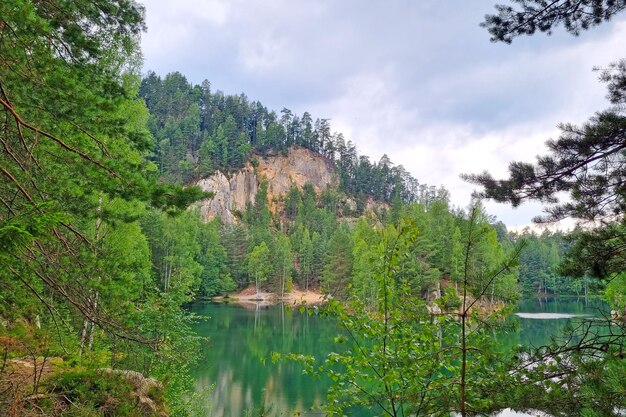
pixel 235 191
pixel 231 194
pixel 297 168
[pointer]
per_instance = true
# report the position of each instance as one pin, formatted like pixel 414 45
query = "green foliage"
pixel 215 278
pixel 105 393
pixel 595 253
pixel 392 356
pixel 338 266
pixel 282 260
pixel 258 263
pixel 21 230
pixel 332 255
pixel 548 266
pixel 89 271
pixel 528 16
pixel 259 214
pixel 365 252
pixel 173 198
pixel 235 241
pixel 485 257
pixel 449 299
pixel 175 250
pixel 293 202
pixel 616 292
pixel 586 162
pixel 303 246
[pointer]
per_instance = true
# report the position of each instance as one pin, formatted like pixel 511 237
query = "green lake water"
pixel 236 358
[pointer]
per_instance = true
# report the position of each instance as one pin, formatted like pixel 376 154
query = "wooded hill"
pixel 317 236
pixel 199 131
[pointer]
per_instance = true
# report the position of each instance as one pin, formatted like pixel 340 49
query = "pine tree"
pixel 338 266
pixel 528 16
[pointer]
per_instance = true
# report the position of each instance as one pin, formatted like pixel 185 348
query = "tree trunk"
pixel 463 364
pixel 93 325
pixel 83 336
pixel 282 290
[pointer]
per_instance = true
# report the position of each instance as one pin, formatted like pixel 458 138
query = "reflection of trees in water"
pixel 536 332
pixel 582 305
pixel 238 357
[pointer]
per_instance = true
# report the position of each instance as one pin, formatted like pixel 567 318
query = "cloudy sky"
pixel 417 80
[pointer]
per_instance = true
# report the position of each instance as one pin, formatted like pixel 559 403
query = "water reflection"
pixel 237 361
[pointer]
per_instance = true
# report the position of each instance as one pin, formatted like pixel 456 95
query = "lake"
pixel 236 360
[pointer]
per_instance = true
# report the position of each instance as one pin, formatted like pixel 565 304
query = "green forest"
pixel 103 247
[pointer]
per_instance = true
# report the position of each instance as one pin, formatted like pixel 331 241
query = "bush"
pixel 91 392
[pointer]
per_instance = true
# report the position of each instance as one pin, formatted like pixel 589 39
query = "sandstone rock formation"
pixel 235 190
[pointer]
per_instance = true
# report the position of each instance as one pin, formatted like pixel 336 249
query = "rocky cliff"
pixel 233 191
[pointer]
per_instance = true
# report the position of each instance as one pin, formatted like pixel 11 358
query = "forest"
pixel 103 248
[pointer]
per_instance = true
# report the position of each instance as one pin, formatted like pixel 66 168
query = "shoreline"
pixel 296 297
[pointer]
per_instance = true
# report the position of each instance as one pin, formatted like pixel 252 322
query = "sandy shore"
pixel 295 297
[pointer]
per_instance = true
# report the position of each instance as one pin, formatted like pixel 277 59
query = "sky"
pixel 416 80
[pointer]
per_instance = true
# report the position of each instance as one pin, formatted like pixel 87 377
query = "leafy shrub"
pixel 91 392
